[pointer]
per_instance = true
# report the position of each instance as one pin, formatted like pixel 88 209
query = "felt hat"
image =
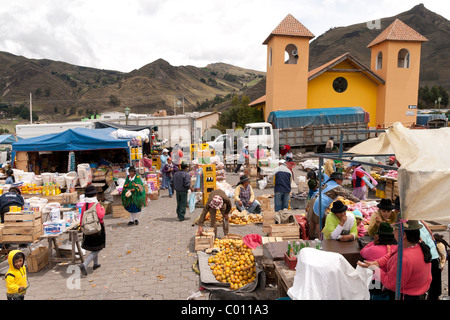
pixel 184 165
pixel 385 229
pixel 408 224
pixel 132 169
pixel 337 175
pixel 216 202
pixel 338 207
pixel 357 214
pixel 242 179
pixel 385 204
pixel 90 191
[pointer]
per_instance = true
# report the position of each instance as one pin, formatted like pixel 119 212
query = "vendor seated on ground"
pixel 217 200
pixel 245 198
pixel 340 224
pixel 385 213
pixel 11 198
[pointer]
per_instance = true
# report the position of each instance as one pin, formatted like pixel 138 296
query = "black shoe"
pixel 170 196
pixel 130 223
pixel 83 269
pixel 96 266
pixel 136 222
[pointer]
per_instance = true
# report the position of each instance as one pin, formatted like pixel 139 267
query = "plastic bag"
pixel 84 174
pixel 191 202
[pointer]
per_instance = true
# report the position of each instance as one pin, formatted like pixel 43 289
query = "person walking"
pixel 182 184
pixel 93 242
pixel 133 195
pixel 168 171
pixel 163 158
pixel 282 180
pixel 217 200
pixel 243 158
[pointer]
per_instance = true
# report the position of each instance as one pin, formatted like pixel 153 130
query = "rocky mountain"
pixel 355 38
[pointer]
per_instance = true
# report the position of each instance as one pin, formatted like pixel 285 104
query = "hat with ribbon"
pixel 242 179
pixel 338 207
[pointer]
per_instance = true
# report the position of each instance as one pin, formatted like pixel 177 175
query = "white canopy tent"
pixel 424 174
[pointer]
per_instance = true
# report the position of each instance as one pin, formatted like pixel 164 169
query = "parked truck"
pixel 309 129
pixel 34 130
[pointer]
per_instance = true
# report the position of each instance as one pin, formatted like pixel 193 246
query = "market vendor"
pixel 10 177
pixel 331 190
pixel 340 224
pixel 245 198
pixel 385 213
pixel 360 180
pixel 11 198
pixel 163 158
pixel 217 200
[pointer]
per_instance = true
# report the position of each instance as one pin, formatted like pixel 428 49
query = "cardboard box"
pixel 37 259
pixel 69 197
pixel 154 195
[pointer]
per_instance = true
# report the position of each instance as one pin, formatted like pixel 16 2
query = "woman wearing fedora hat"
pixel 385 213
pixel 331 190
pixel 133 195
pixel 340 224
pixel 416 264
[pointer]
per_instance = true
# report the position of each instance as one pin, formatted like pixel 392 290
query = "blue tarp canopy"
pixel 76 139
pixel 320 116
pixel 8 138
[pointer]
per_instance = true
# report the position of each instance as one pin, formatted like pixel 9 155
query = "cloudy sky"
pixel 125 35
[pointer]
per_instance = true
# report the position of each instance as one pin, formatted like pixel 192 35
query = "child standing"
pixel 16 276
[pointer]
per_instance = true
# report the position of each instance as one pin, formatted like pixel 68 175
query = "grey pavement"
pixel 150 261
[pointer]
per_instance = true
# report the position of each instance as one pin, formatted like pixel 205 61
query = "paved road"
pixel 150 261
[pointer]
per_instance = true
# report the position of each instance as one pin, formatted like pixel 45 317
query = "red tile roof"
pixel 290 27
pixel 258 101
pixel 398 31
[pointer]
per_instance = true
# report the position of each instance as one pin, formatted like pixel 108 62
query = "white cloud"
pixel 126 35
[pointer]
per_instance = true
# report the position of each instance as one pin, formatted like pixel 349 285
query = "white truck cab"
pixel 258 133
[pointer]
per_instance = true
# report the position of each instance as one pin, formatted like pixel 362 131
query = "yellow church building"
pixel 388 90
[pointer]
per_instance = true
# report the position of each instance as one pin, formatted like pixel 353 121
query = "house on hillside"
pixel 387 90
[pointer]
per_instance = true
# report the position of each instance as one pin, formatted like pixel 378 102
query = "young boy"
pixel 16 276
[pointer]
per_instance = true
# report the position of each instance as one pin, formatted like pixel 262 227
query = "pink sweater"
pixel 416 273
pixel 372 252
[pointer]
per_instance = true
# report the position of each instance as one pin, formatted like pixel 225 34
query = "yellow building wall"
pixel 361 91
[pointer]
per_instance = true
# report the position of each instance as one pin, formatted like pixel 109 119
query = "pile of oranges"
pixel 233 264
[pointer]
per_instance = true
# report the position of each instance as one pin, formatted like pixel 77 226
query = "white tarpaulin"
pixel 322 275
pixel 424 175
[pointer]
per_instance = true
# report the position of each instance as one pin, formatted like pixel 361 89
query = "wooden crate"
pixel 205 241
pixel 118 211
pixel 22 227
pixel 286 231
pixel 37 260
pixel 268 220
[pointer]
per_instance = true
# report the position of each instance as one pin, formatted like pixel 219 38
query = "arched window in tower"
pixel 291 54
pixel 270 56
pixel 379 63
pixel 403 59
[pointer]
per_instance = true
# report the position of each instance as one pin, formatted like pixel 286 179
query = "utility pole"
pixel 31 110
